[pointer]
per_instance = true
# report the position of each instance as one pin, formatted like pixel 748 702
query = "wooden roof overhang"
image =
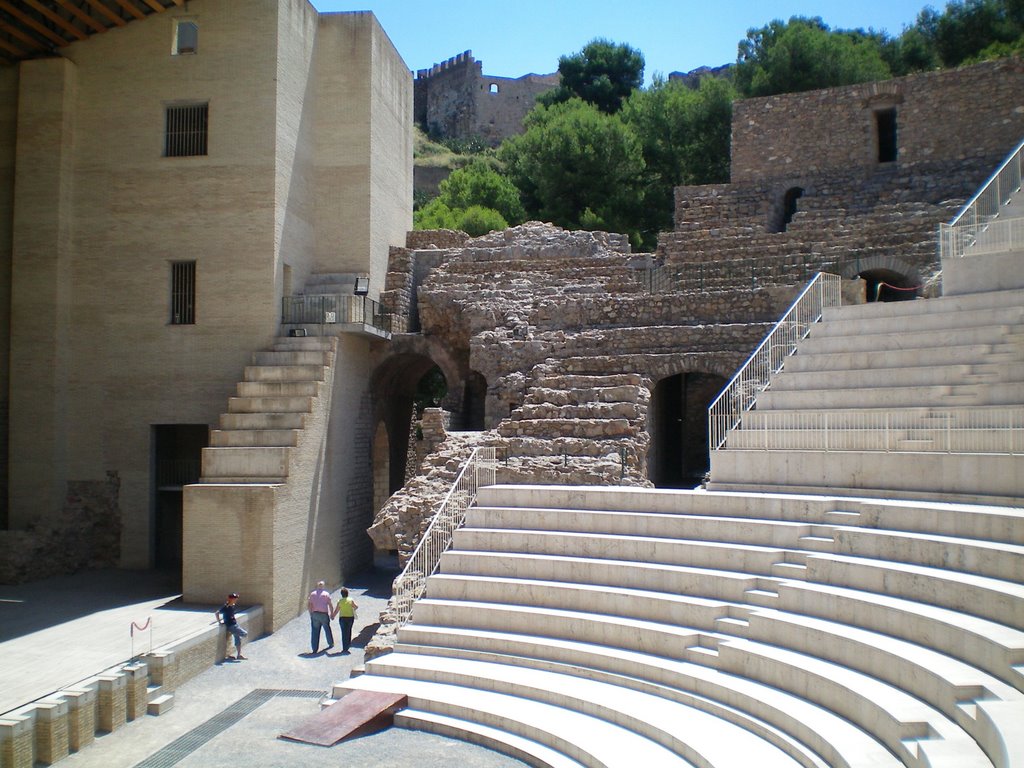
pixel 37 28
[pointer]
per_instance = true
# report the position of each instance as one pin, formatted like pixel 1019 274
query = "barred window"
pixel 186 37
pixel 183 292
pixel 185 131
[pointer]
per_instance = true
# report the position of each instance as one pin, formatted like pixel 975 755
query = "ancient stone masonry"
pixel 455 100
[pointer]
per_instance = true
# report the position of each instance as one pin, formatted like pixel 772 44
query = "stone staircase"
pixel 575 428
pixel 602 626
pixel 272 405
pixel 879 394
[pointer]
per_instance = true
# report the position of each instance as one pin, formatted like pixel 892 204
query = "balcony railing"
pixel 338 309
pixel 478 472
pixel 728 410
pixel 977 228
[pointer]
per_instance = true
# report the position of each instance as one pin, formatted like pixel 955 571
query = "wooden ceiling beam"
pixel 30 22
pixel 60 21
pixel 100 6
pixel 155 5
pixel 131 8
pixel 12 49
pixel 33 43
pixel 82 16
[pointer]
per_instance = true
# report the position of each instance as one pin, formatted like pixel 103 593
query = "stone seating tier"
pixel 748 608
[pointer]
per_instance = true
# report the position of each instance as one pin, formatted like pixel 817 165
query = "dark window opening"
pixel 185 131
pixel 183 293
pixel 789 206
pixel 886 123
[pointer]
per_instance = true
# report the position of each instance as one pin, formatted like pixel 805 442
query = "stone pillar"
pixel 51 730
pixel 113 701
pixel 81 716
pixel 41 262
pixel 17 749
pixel 138 687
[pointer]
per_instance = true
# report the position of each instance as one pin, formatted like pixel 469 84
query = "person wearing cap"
pixel 319 604
pixel 226 616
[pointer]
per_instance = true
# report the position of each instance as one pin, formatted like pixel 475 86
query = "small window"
pixel 183 293
pixel 885 122
pixel 494 88
pixel 186 37
pixel 185 130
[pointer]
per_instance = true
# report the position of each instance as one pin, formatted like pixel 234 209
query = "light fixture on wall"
pixel 362 286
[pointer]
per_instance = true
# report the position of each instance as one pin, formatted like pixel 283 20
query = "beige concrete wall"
pixel 8 131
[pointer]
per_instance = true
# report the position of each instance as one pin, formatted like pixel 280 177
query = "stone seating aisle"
pixel 723 629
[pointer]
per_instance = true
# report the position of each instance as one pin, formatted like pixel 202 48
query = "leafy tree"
pixel 966 29
pixel 578 167
pixel 475 220
pixel 603 74
pixel 803 54
pixel 685 137
pixel 479 184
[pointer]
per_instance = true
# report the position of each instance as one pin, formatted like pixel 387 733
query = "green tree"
pixel 603 74
pixel 578 167
pixel 967 29
pixel 803 54
pixel 479 184
pixel 685 137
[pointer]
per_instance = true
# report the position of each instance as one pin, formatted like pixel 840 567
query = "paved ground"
pixel 232 714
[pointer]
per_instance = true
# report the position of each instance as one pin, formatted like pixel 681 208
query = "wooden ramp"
pixel 355 714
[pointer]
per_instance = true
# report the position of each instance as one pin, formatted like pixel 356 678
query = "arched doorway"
pixel 888 285
pixel 678 424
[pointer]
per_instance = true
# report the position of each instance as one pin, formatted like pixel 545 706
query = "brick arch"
pixel 882 262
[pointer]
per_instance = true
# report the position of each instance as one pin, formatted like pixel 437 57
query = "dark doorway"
pixel 177 462
pixel 679 425
pixel 885 122
pixel 886 285
pixel 789 206
pixel 473 402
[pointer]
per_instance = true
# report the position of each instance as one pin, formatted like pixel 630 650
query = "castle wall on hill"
pixel 456 100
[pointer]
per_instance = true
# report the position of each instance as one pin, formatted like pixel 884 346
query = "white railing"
pixel 910 430
pixel 976 218
pixel 727 411
pixel 478 471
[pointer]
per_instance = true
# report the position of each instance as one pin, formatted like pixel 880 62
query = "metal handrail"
pixel 335 309
pixel 960 234
pixel 477 472
pixel 739 395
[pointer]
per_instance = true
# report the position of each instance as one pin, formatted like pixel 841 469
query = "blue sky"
pixel 514 38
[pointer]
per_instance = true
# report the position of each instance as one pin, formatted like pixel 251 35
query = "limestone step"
pixel 520 748
pixel 839 324
pixel 572 448
pixel 262 421
pixel 986 645
pixel 237 438
pixel 919 375
pixel 907 725
pixel 304 343
pixel 808 434
pixel 894 397
pixel 560 380
pixel 160 704
pixel 626 393
pixel 927 419
pixel 271 404
pixel 684 731
pixel 261 464
pixel 584 738
pixel 292 357
pixel 909 342
pixel 972 354
pixel 284 373
pixel 568 427
pixel 533 412
pixel 791 720
pixel 260 389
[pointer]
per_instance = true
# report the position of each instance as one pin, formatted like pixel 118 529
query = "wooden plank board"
pixel 351 715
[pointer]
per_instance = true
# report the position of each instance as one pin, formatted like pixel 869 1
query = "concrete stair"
pixel 262 428
pixel 726 628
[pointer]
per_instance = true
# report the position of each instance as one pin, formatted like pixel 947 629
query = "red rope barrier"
pixel 141 628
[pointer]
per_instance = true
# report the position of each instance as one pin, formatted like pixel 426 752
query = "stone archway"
pixel 886 278
pixel 678 424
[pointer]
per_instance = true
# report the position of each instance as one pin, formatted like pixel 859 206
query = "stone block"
pixel 81 716
pixel 137 689
pixel 51 731
pixel 113 701
pixel 17 747
pixel 160 704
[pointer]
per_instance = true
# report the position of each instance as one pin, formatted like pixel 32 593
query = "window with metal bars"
pixel 185 130
pixel 183 293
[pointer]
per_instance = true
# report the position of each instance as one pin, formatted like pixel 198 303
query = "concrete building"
pixel 163 185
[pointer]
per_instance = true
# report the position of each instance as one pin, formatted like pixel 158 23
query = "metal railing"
pixel 336 309
pixel 971 226
pixel 728 409
pixel 478 471
pixel 911 430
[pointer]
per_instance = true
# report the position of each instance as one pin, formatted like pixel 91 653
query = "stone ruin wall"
pixel 455 100
pixel 951 115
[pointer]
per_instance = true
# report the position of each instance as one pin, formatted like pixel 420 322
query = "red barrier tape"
pixel 142 627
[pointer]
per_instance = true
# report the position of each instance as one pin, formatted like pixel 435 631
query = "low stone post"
pixel 113 701
pixel 17 749
pixel 137 697
pixel 51 730
pixel 81 716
